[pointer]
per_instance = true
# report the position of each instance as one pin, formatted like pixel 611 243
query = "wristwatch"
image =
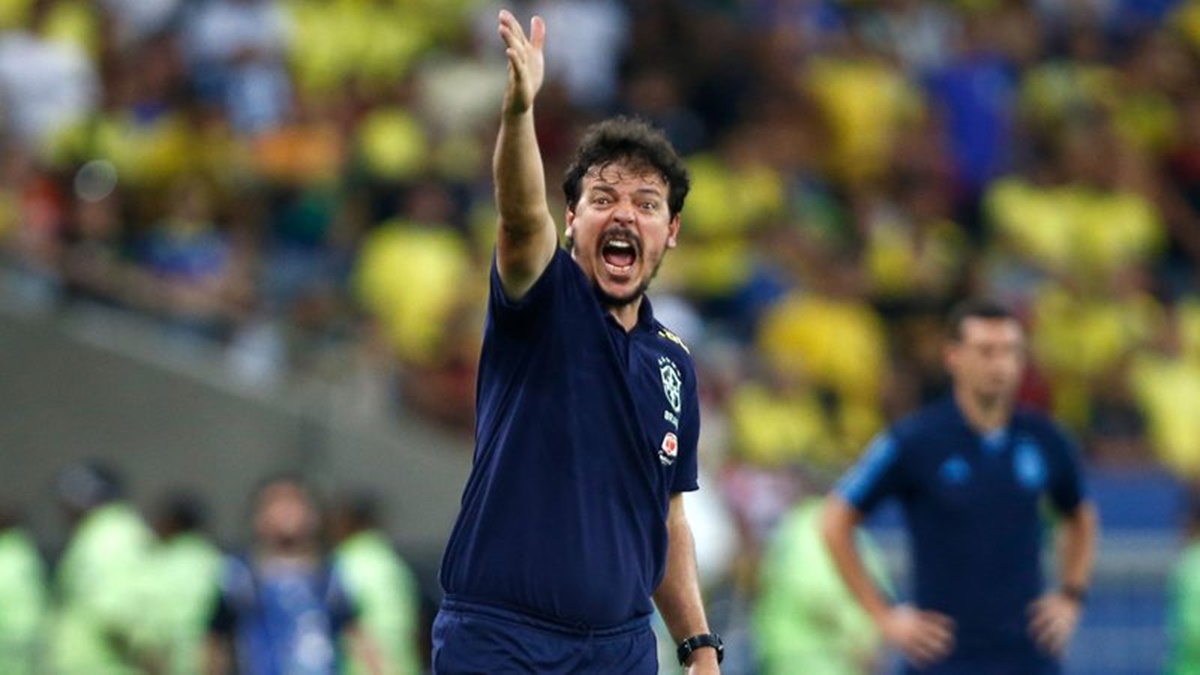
pixel 699 642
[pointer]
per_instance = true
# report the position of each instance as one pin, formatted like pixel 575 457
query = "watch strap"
pixel 690 645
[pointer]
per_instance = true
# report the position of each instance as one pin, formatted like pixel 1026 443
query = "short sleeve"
pixel 507 312
pixel 875 477
pixel 1066 486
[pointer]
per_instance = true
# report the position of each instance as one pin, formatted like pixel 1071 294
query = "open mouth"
pixel 619 253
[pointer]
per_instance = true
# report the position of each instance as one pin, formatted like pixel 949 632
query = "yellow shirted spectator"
pixel 374 43
pixel 393 144
pixel 152 153
pixel 320 53
pixel 76 22
pixel 725 205
pixel 13 14
pixel 410 276
pixel 1081 230
pixel 112 137
pixel 1113 230
pixel 866 104
pixel 1030 219
pixel 1080 337
pixel 839 342
pixel 774 426
pixel 1166 386
pixel 906 259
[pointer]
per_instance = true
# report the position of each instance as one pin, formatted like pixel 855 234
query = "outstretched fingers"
pixel 525 60
pixel 537 32
pixel 513 36
pixel 515 39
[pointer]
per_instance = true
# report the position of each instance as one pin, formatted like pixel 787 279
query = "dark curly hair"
pixel 632 140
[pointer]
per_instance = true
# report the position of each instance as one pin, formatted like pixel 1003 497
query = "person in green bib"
pixel 98 580
pixel 22 596
pixel 379 582
pixel 1183 615
pixel 805 619
pixel 181 585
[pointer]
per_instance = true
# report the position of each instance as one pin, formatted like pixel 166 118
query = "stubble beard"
pixel 610 301
pixel 995 398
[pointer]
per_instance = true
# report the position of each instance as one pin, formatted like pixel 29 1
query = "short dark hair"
pixel 88 484
pixel 633 140
pixel 360 507
pixel 974 308
pixel 183 510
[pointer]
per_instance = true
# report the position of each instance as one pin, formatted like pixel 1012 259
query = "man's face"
pixel 286 517
pixel 989 360
pixel 621 229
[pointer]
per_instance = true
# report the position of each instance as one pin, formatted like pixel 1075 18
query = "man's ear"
pixel 673 232
pixel 569 219
pixel 950 356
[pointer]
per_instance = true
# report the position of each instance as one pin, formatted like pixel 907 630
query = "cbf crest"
pixel 672 383
pixel 1028 465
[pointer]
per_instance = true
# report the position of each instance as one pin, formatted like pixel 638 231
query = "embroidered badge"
pixel 672 383
pixel 669 449
pixel 955 471
pixel 1028 465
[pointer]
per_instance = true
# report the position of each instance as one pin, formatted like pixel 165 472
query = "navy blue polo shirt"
pixel 974 510
pixel 583 433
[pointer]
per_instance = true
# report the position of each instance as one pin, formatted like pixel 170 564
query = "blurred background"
pixel 239 236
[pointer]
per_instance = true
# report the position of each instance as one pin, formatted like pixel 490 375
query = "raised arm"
pixel 527 235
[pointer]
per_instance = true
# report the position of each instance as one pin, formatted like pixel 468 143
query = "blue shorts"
pixel 474 639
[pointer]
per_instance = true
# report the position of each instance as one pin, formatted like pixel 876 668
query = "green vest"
pixel 805 619
pixel 22 601
pixel 385 591
pixel 180 586
pixel 100 598
pixel 1183 619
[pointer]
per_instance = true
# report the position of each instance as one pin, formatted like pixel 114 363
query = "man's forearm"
pixel 365 649
pixel 520 181
pixel 678 596
pixel 838 522
pixel 1078 546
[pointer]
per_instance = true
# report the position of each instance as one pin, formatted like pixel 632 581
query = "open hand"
pixel 925 637
pixel 1052 621
pixel 526 62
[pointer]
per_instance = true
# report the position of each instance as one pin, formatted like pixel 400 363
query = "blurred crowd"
pixel 305 184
